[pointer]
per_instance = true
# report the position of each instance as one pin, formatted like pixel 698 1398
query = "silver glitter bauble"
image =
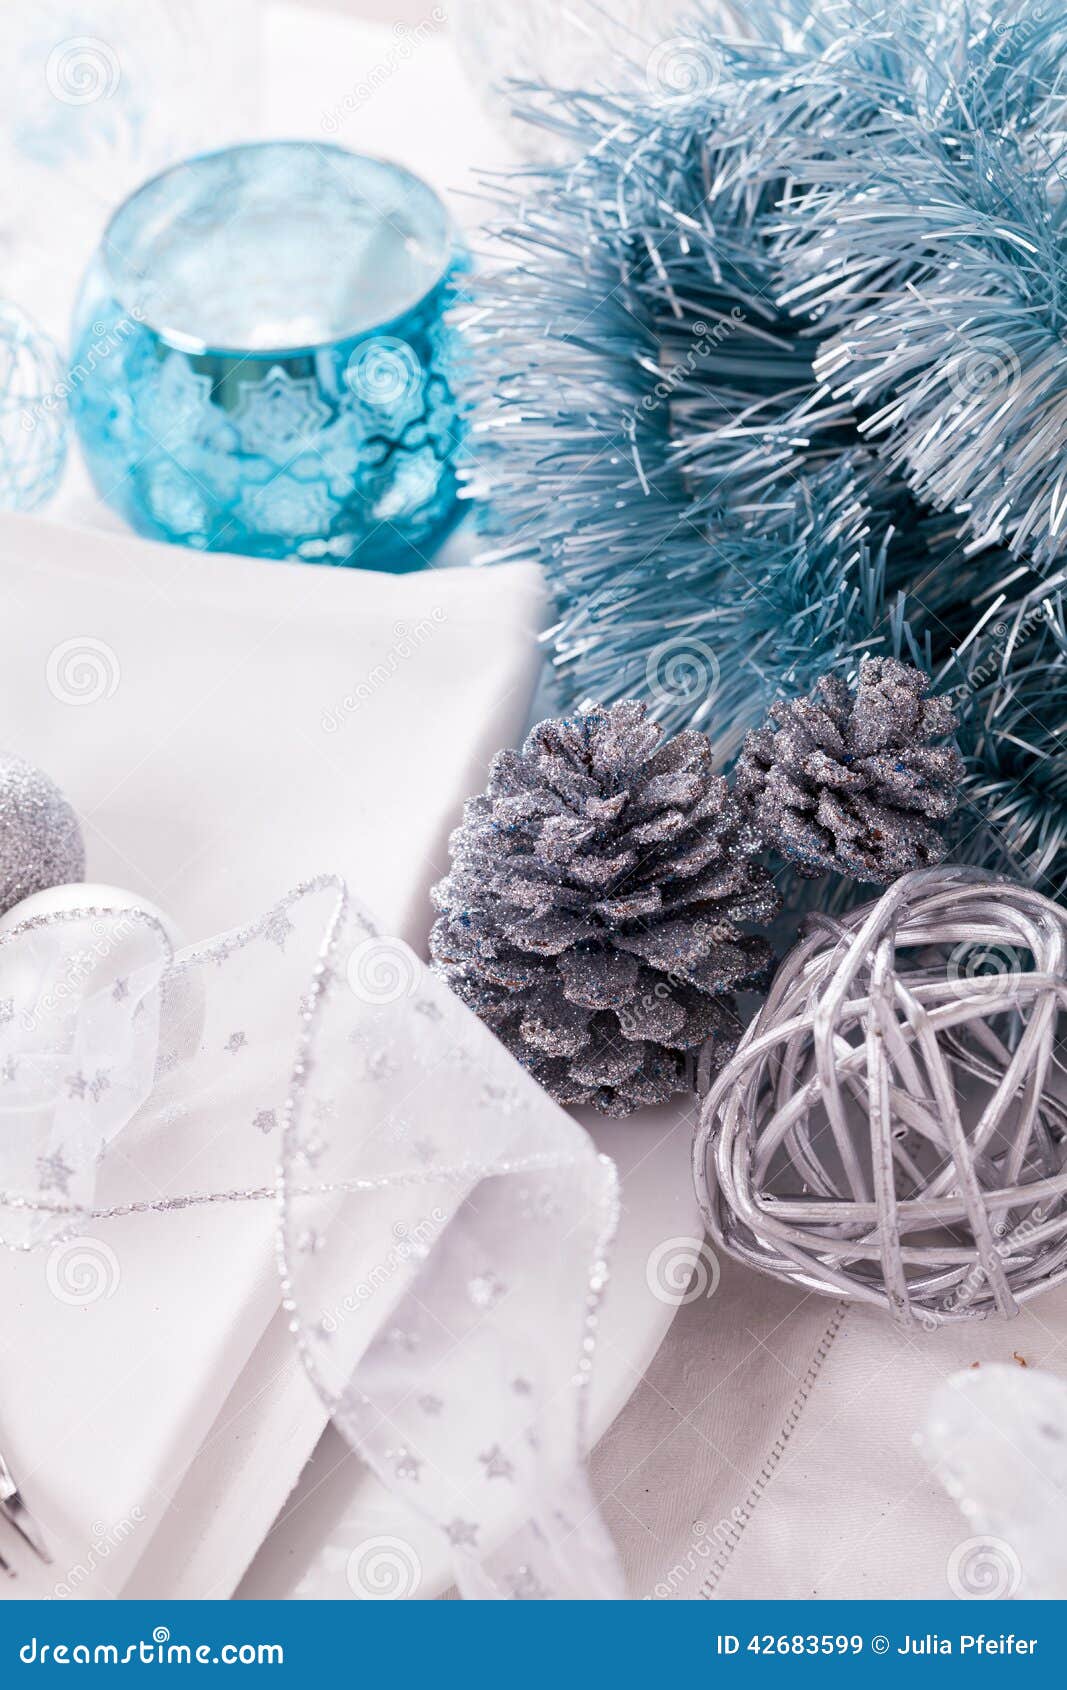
pixel 40 840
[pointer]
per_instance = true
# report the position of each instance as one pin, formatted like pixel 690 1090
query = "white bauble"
pixel 109 951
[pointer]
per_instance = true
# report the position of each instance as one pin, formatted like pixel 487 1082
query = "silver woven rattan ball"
pixel 34 419
pixel 891 1127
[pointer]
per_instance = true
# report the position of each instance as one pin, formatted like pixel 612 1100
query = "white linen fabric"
pixel 771 1450
pixel 224 728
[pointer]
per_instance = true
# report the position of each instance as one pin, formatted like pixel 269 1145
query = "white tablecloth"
pixel 769 1450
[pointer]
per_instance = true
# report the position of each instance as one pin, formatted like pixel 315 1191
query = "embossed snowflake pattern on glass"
pixel 263 360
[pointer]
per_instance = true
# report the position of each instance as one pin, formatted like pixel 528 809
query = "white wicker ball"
pixel 891 1127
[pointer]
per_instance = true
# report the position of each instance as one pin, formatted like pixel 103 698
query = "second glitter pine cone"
pixel 595 913
pixel 856 780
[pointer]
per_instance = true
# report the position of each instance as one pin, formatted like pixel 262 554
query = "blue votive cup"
pixel 262 359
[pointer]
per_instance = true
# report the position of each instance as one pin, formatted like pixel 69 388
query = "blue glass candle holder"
pixel 262 358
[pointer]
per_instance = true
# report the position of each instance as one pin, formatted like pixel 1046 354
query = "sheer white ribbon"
pixel 443 1228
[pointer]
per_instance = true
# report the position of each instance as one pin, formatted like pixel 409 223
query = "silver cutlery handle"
pixel 8 1487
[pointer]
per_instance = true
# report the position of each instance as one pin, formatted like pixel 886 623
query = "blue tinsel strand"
pixel 778 378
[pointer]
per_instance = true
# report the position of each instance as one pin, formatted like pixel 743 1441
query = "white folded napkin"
pixel 225 728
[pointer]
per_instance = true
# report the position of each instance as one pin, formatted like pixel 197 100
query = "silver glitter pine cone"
pixel 40 839
pixel 594 913
pixel 856 781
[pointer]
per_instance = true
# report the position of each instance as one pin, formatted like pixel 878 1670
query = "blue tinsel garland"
pixel 779 377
